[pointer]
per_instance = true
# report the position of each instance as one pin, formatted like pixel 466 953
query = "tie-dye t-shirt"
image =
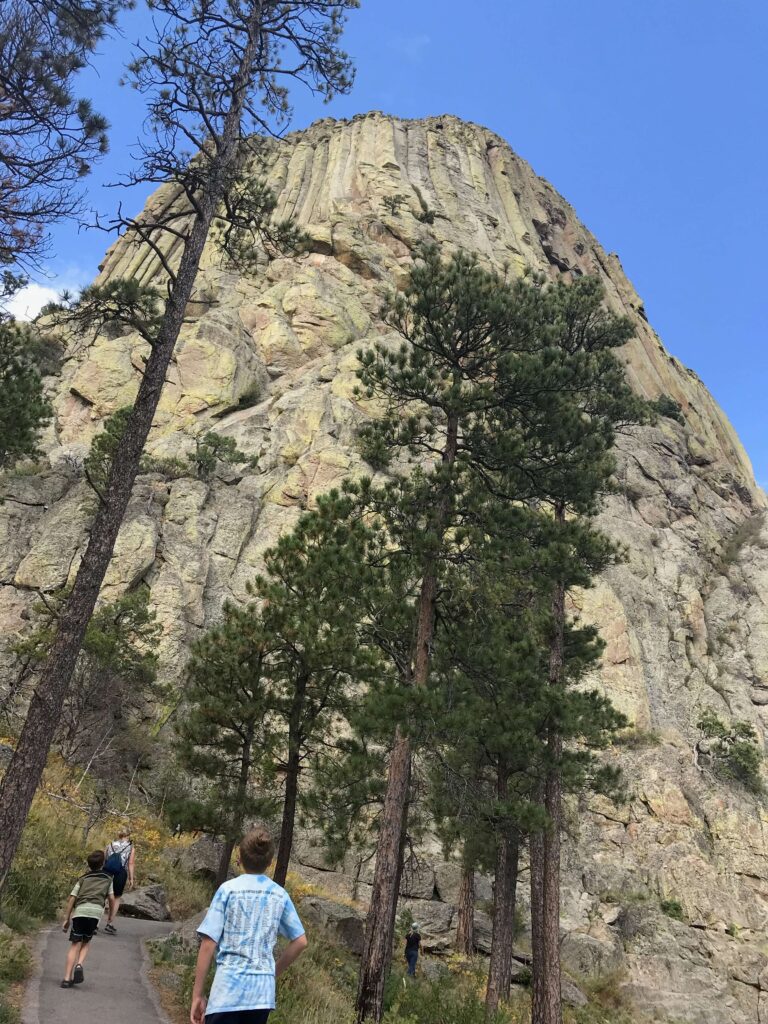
pixel 245 918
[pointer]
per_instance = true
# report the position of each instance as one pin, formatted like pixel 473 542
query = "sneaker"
pixel 110 929
pixel 79 976
pixel 67 984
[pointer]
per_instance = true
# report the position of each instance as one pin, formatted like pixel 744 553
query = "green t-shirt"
pixel 90 892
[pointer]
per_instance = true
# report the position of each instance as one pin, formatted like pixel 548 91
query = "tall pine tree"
pixel 226 739
pixel 312 593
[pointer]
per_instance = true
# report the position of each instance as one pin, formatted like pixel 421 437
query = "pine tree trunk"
pixel 293 768
pixel 222 872
pixel 550 1001
pixel 28 762
pixel 545 878
pixel 289 818
pixel 504 907
pixel 380 921
pixel 236 824
pixel 465 926
pixel 536 853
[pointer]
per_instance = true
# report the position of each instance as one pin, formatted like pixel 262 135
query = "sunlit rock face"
pixel 269 359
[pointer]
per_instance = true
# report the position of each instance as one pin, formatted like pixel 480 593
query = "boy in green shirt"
pixel 84 909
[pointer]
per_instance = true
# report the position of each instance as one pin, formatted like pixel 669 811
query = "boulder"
pixel 148 903
pixel 202 858
pixel 432 969
pixel 483 932
pixel 435 920
pixel 187 932
pixel 572 994
pixel 345 923
pixel 587 955
pixel 418 880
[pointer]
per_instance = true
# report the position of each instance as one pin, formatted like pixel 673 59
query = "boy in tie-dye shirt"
pixel 241 928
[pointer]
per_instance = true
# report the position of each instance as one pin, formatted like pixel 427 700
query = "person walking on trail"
pixel 412 944
pixel 120 864
pixel 241 928
pixel 84 909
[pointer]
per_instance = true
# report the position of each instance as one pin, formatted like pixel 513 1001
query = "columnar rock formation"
pixel 269 359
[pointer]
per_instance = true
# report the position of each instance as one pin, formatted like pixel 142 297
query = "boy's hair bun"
pixel 257 849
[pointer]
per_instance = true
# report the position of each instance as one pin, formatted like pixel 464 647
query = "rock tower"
pixel 269 359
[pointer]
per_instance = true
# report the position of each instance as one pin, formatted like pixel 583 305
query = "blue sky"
pixel 649 117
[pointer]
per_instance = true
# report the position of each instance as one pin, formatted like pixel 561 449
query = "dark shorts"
pixel 83 929
pixel 119 881
pixel 238 1017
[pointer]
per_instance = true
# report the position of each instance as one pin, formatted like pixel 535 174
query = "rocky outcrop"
pixel 269 360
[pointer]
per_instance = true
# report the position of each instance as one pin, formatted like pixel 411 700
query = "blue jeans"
pixel 412 955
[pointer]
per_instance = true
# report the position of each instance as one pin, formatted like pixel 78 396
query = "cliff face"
pixel 270 361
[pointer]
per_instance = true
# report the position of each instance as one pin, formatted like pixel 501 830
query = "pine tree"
pixel 312 593
pixel 488 683
pixel 497 389
pixel 23 408
pixel 568 434
pixel 48 136
pixel 460 326
pixel 213 71
pixel 226 739
pixel 115 680
pixel 465 330
pixel 494 709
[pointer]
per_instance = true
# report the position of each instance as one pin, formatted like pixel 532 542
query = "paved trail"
pixel 115 990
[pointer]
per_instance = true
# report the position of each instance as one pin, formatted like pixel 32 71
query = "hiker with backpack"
pixel 120 864
pixel 84 909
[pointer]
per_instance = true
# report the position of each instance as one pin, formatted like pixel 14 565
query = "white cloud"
pixel 26 304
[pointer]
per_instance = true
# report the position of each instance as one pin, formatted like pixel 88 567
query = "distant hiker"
pixel 84 909
pixel 120 864
pixel 241 927
pixel 412 944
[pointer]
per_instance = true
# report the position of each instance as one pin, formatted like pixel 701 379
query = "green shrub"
pixel 37 896
pixel 15 961
pixel 250 397
pixel 392 204
pixel 636 739
pixel 438 1002
pixel 212 449
pixel 744 535
pixel 171 468
pixel 673 909
pixel 98 461
pixel 17 919
pixel 8 1014
pixel 733 750
pixel 666 406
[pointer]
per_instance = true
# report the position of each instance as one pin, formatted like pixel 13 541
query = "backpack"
pixel 113 865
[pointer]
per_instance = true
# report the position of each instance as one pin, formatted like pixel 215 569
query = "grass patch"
pixel 745 534
pixel 15 968
pixel 637 739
